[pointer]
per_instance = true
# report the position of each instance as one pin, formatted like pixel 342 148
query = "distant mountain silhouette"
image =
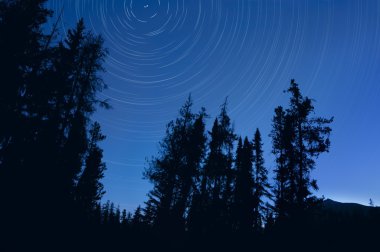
pixel 348 208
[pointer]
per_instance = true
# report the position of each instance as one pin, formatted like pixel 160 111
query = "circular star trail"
pixel 160 51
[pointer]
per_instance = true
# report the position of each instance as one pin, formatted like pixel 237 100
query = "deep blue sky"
pixel 248 50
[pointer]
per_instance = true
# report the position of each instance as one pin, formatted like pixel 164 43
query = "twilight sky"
pixel 248 50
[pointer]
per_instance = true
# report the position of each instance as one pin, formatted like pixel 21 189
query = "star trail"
pixel 160 51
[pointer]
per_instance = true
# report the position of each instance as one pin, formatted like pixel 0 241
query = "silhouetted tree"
pixel 129 218
pixel 194 144
pixel 117 217
pixel 48 96
pixel 297 140
pixel 150 211
pixel 243 211
pixel 311 139
pixel 137 219
pixel 106 212
pixel 89 189
pixel 21 57
pixel 124 219
pixel 175 170
pixel 82 56
pixel 111 215
pixel 216 186
pixel 282 137
pixel 261 184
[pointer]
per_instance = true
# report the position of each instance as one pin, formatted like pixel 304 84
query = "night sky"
pixel 160 51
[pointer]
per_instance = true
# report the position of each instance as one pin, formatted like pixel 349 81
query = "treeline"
pixel 217 182
pixel 211 190
pixel 213 187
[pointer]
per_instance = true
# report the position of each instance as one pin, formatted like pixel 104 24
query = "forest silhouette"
pixel 211 190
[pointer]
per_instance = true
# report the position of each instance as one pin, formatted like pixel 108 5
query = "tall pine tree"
pixel 89 189
pixel 216 186
pixel 261 184
pixel 175 171
pixel 298 139
pixel 311 139
pixel 243 209
pixel 48 97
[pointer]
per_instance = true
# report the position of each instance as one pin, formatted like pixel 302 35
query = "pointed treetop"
pixel 257 135
pixel 223 108
pixel 240 142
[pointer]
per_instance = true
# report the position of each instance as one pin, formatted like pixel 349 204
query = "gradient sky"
pixel 248 50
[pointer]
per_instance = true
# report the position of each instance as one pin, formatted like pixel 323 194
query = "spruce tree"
pixel 106 213
pixel 123 220
pixel 298 139
pixel 49 93
pixel 82 55
pixel 244 187
pixel 89 189
pixel 216 186
pixel 117 217
pixel 261 184
pixel 175 170
pixel 111 214
pixel 279 138
pixel 137 219
pixel 311 139
pixel 194 145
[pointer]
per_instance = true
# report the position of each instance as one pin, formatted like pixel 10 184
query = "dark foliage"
pixel 49 160
pixel 210 191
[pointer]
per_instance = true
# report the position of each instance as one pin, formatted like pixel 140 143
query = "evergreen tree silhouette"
pixel 216 186
pixel 244 187
pixel 48 98
pixel 112 215
pixel 21 56
pixel 89 189
pixel 282 138
pixel 193 144
pixel 297 140
pixel 261 184
pixel 137 219
pixel 82 57
pixel 150 211
pixel 106 213
pixel 117 217
pixel 129 218
pixel 124 219
pixel 175 170
pixel 311 139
